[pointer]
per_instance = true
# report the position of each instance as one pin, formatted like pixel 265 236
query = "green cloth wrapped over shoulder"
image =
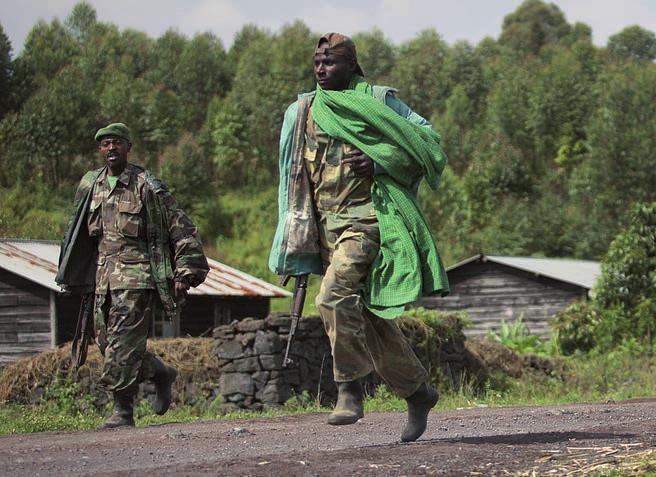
pixel 408 265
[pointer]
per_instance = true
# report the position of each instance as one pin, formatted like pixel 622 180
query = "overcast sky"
pixel 400 20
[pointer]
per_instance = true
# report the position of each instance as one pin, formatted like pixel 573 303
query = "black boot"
pixel 164 377
pixel 123 412
pixel 419 405
pixel 349 407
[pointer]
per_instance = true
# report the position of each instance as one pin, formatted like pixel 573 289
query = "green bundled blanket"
pixel 408 265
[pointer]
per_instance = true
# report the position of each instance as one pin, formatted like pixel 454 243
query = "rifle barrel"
pixel 296 312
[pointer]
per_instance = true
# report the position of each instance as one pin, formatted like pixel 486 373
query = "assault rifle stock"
pixel 298 300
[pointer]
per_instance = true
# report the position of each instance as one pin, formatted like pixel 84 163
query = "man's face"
pixel 114 151
pixel 333 71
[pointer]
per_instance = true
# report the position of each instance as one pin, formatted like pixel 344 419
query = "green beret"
pixel 114 129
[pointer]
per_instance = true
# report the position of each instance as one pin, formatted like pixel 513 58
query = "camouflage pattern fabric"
pixel 169 238
pixel 336 190
pixel 350 241
pixel 117 218
pixel 121 323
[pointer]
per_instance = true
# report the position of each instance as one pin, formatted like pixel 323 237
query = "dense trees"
pixel 6 71
pixel 550 138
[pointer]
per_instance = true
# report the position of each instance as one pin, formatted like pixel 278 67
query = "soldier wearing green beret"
pixel 351 158
pixel 131 247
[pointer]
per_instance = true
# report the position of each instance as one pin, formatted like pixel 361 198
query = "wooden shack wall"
pixel 24 317
pixel 490 292
pixel 202 314
pixel 199 316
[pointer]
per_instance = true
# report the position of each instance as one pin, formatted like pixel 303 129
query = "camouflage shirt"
pixel 336 189
pixel 117 219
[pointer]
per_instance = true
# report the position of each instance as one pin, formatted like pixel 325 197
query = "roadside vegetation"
pixel 589 378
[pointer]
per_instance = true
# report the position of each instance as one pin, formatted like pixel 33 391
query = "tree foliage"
pixel 551 139
pixel 419 72
pixel 375 55
pixel 633 42
pixel 6 73
pixel 532 26
pixel 624 304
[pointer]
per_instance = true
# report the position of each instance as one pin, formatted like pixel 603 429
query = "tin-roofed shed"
pixel 35 315
pixel 492 288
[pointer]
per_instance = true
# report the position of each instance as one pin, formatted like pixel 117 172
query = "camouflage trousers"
pixel 361 342
pixel 121 324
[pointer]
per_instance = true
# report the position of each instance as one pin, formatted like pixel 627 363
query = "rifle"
pixel 83 331
pixel 298 301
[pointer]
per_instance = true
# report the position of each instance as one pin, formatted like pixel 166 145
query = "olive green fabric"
pixel 408 265
pixel 121 322
pixel 338 194
pixel 360 341
pixel 114 129
pixel 117 219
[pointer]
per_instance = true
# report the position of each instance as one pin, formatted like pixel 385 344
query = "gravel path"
pixel 482 441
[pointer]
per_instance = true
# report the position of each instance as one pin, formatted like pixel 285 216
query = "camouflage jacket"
pixel 173 246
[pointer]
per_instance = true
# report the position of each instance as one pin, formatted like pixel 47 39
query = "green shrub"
pixel 33 212
pixel 574 327
pixel 626 292
pixel 63 395
pixel 623 307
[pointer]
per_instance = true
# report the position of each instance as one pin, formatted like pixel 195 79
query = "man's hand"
pixel 181 291
pixel 361 164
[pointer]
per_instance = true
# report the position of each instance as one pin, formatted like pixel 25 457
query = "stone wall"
pixel 250 356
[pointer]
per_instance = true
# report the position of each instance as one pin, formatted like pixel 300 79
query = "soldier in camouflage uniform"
pixel 341 179
pixel 340 219
pixel 146 255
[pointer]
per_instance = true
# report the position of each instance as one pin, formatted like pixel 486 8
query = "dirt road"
pixel 480 441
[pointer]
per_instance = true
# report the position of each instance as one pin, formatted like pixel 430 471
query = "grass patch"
pixel 20 419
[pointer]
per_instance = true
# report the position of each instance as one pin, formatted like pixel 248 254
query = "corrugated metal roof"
pixel 36 260
pixel 583 273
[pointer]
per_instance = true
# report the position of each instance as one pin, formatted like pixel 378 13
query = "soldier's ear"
pixel 129 146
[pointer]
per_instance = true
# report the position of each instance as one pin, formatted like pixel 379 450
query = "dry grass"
pixel 26 380
pixel 623 459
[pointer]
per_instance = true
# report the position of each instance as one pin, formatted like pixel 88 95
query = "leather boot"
pixel 349 407
pixel 419 405
pixel 163 378
pixel 123 412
